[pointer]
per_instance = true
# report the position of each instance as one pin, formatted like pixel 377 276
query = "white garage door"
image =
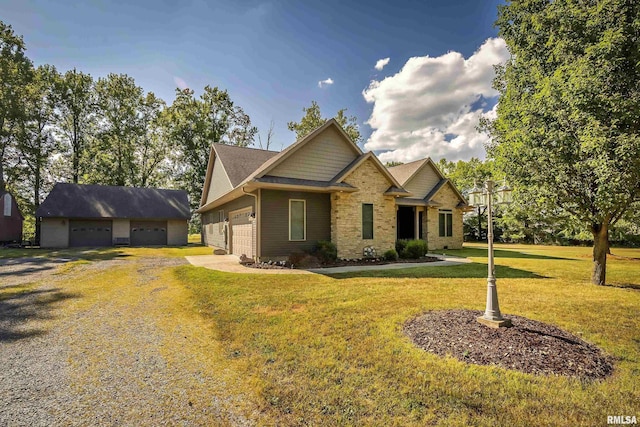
pixel 241 232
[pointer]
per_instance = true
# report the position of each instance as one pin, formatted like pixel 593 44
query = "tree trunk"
pixel 600 249
pixel 2 184
pixel 36 203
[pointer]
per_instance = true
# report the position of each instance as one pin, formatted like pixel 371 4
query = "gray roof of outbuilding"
pixel 104 201
pixel 240 162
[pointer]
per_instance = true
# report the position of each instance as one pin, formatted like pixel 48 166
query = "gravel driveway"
pixel 101 358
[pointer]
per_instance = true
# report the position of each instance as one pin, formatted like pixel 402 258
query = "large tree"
pixel 35 141
pixel 75 119
pixel 16 72
pixel 153 147
pixel 567 126
pixel 120 126
pixel 313 119
pixel 193 124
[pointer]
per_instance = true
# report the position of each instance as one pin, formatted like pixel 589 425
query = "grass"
pixel 319 350
pixel 97 254
pixel 329 350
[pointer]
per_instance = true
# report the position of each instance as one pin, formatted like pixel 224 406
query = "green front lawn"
pixel 329 350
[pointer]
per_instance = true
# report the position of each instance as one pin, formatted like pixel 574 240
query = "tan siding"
pixel 448 200
pixel 213 232
pixel 219 182
pixel 177 232
pixel 320 159
pixel 346 213
pixel 120 228
pixel 54 233
pixel 274 222
pixel 422 182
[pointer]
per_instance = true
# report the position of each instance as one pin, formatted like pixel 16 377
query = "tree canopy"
pixel 313 119
pixel 567 126
pixel 69 127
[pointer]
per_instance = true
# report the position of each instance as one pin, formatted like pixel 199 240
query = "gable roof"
pixel 440 185
pixel 105 201
pixel 237 163
pixel 284 154
pixel 404 173
pixel 395 188
pixel 240 162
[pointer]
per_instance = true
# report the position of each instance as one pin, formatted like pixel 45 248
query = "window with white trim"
pixel 221 221
pixel 297 220
pixel 445 223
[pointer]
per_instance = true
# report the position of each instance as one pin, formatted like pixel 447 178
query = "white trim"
pixel 449 213
pixel 7 204
pixel 304 224
pixel 220 221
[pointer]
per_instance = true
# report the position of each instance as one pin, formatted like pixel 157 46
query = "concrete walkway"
pixel 231 264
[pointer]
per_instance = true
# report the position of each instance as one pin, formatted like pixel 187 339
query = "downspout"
pixel 257 219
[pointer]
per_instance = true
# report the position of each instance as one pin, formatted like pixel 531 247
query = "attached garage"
pixel 76 215
pixel 241 226
pixel 148 233
pixel 90 233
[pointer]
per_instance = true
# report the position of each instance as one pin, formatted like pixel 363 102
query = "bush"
pixel 303 260
pixel 400 245
pixel 326 251
pixel 391 255
pixel 415 249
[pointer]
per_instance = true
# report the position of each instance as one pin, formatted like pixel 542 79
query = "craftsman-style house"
pixel 268 205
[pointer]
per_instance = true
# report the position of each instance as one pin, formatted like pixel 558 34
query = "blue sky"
pixel 271 56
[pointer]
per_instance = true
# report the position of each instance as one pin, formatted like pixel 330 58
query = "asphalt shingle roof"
pixel 240 162
pixel 104 201
pixel 403 172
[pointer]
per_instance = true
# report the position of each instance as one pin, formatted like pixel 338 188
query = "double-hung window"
pixel 297 220
pixel 367 221
pixel 445 223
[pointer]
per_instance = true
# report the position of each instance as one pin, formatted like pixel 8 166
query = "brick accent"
pixel 346 213
pixel 448 200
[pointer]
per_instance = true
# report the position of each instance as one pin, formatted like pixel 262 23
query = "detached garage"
pixel 76 215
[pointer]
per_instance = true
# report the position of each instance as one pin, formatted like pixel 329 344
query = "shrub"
pixel 326 251
pixel 303 260
pixel 391 255
pixel 415 249
pixel 400 245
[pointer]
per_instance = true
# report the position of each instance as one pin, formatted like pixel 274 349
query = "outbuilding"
pixel 75 215
pixel 10 219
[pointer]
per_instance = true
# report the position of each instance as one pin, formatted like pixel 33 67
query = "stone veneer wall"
pixel 448 200
pixel 346 213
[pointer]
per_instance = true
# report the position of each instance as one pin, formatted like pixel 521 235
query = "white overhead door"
pixel 241 227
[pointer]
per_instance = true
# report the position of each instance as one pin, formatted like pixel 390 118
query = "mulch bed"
pixel 340 263
pixel 528 346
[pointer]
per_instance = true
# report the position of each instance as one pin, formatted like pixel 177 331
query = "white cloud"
pixel 180 83
pixel 430 107
pixel 326 82
pixel 381 63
